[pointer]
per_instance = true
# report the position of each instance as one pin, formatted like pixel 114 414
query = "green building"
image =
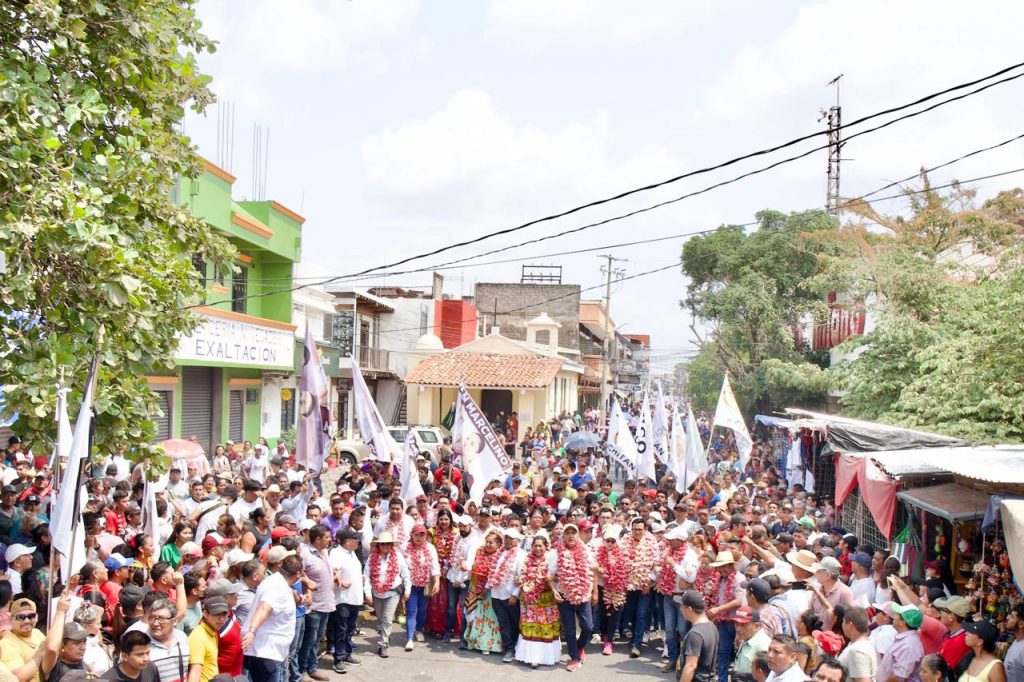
pixel 245 333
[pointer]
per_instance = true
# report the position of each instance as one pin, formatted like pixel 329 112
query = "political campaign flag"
pixel 371 425
pixel 480 452
pixel 311 438
pixel 728 414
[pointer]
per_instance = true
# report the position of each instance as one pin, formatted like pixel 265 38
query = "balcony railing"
pixel 373 358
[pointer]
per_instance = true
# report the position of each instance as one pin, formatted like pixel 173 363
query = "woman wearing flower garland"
pixel 442 537
pixel 425 574
pixel 385 581
pixel 575 592
pixel 482 631
pixel 613 572
pixel 539 623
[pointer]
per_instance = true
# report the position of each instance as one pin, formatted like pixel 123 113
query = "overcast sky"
pixel 397 126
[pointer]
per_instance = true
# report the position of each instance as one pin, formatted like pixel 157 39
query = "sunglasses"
pixel 26 616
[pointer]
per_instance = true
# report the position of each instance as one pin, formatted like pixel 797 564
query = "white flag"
pixel 314 414
pixel 64 434
pixel 645 443
pixel 659 431
pixel 150 518
pixel 480 452
pixel 67 532
pixel 371 425
pixel 696 455
pixel 728 414
pixel 621 447
pixel 678 453
pixel 408 475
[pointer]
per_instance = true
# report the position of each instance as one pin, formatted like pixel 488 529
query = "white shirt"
pixel 460 553
pixel 793 674
pixel 208 521
pixel 15 579
pixel 96 659
pixel 274 637
pixel 257 467
pixel 241 509
pixel 863 590
pixel 346 564
pixel 687 568
pixel 508 588
pixel 402 580
pixel 882 638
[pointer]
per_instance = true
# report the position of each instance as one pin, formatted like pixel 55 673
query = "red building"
pixel 454 322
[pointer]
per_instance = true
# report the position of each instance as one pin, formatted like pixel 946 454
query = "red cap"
pixel 830 642
pixel 652 493
pixel 419 528
pixel 280 532
pixel 212 540
pixel 585 524
pixel 743 615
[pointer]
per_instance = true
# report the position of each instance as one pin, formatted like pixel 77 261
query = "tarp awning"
pixel 854 435
pixel 950 501
pixel 777 422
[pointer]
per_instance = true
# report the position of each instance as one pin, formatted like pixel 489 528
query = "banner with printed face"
pixel 371 425
pixel 477 447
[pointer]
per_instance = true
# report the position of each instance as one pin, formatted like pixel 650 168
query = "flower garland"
pixel 388 583
pixel 730 589
pixel 667 578
pixel 574 573
pixel 398 531
pixel 643 559
pixel 444 544
pixel 418 557
pixel 616 575
pixel 504 569
pixel 534 579
pixel 482 569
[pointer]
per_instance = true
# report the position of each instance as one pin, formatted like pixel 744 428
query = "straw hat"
pixel 803 559
pixel 723 559
pixel 385 537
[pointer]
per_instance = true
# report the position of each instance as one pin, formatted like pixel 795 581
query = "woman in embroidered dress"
pixel 425 573
pixel 539 624
pixel 442 537
pixel 482 630
pixel 613 572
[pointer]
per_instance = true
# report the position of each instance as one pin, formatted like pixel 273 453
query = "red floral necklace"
pixel 574 573
pixel 388 583
pixel 667 578
pixel 534 580
pixel 482 569
pixel 615 573
pixel 643 559
pixel 419 564
pixel 503 569
pixel 716 588
pixel 444 543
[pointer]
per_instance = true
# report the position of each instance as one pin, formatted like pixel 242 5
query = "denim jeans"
pixel 638 605
pixel 292 664
pixel 508 623
pixel 676 626
pixel 569 614
pixel 315 627
pixel 456 600
pixel 726 642
pixel 610 618
pixel 262 669
pixel 346 617
pixel 416 612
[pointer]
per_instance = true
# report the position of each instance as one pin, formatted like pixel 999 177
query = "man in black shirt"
pixel 134 665
pixel 700 646
pixel 64 647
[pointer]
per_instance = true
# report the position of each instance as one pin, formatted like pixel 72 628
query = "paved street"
pixel 444 662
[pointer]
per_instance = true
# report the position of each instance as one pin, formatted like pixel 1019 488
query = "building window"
pixel 239 289
pixel 328 326
pixel 288 412
pixel 423 320
pixel 200 265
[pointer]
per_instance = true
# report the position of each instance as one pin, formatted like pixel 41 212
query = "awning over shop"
pixel 776 422
pixel 853 435
pixel 1013 531
pixel 877 490
pixel 950 501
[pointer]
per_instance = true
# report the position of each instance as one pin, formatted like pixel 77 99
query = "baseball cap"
pixel 278 553
pixel 237 556
pixel 910 614
pixel 222 586
pixel 115 562
pixel 983 629
pixel 75 632
pixel 861 558
pixel 17 550
pixel 213 540
pixel 745 615
pixel 694 600
pixel 216 605
pixel 955 604
pixel 23 604
pixel 280 532
pixel 191 549
pixel 830 642
pixel 306 524
pixel 884 607
pixel 419 528
pixel 285 519
pixel 830 564
pixel 760 588
pixel 33 499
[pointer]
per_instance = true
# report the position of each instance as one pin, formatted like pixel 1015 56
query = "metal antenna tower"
pixel 835 144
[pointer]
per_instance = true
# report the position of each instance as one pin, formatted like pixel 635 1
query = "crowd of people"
pixel 257 571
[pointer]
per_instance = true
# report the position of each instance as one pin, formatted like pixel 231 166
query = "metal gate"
pixel 236 416
pixel 197 405
pixel 163 421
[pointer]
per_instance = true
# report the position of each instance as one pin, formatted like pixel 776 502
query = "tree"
pixel 752 292
pixel 92 95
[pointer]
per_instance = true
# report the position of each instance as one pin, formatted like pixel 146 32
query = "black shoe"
pixel 351 661
pixel 339 668
pixel 382 652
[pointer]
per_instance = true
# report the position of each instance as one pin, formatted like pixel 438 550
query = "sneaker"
pixel 409 645
pixel 419 636
pixel 607 650
pixel 573 666
pixel 463 646
pixel 351 661
pixel 583 656
pixel 508 657
pixel 400 620
pixel 382 652
pixel 634 652
pixel 446 638
pixel 668 668
pixel 339 668
pixel 319 676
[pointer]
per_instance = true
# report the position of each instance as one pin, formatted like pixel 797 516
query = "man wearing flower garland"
pixel 575 592
pixel 677 573
pixel 505 592
pixel 643 556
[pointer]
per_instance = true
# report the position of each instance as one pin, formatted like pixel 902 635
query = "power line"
pixel 681 177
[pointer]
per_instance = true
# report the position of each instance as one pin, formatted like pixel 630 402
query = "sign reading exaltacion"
pixel 231 342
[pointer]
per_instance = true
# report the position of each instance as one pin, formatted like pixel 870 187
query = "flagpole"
pixel 52 567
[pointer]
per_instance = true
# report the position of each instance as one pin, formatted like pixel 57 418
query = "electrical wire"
pixel 678 178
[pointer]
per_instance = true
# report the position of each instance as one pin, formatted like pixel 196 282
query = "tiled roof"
pixel 485 370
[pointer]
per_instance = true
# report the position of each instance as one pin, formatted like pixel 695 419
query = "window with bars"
pixel 239 290
pixel 200 265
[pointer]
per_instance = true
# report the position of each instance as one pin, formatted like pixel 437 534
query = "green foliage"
pixel 752 291
pixel 704 379
pixel 91 96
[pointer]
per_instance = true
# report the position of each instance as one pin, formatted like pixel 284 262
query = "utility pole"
pixel 834 118
pixel 605 366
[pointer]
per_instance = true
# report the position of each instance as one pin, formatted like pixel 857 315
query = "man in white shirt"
pixel 859 659
pixel 884 635
pixel 249 502
pixel 460 561
pixel 862 584
pixel 505 595
pixel 271 626
pixel 257 466
pixel 385 587
pixel 348 594
pixel 782 655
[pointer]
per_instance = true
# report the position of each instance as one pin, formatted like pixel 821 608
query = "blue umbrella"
pixel 581 440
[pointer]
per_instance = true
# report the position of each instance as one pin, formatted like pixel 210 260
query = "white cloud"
pixel 595 22
pixel 303 35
